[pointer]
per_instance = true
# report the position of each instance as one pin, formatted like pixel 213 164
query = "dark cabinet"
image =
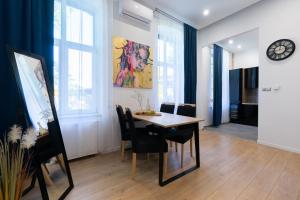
pixel 235 86
pixel 243 84
pixel 251 78
pixel 244 114
pixel 235 93
pixel 234 113
pixel 248 114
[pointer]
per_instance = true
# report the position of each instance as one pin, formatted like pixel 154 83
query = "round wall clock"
pixel 281 49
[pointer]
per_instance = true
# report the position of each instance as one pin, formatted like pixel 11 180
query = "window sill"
pixel 75 118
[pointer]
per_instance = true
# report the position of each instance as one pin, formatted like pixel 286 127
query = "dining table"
pixel 165 121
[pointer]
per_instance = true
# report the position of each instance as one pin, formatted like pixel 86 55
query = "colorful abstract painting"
pixel 132 64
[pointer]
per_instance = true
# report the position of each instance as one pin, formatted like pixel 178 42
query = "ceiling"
pixel 190 11
pixel 247 41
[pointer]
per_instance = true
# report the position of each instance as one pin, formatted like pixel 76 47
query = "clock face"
pixel 281 49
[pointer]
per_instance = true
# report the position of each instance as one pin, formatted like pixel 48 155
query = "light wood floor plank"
pixel 264 182
pixel 231 168
pixel 288 184
pixel 216 182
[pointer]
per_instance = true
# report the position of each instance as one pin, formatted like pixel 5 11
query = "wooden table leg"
pixel 182 156
pixel 133 165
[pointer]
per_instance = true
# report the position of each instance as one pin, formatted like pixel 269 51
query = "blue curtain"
pixel 25 25
pixel 190 64
pixel 218 63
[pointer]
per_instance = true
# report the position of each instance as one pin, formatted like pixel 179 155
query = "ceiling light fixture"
pixel 239 46
pixel 230 41
pixel 206 12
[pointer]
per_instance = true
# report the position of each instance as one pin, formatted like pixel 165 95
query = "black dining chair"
pixel 125 135
pixel 143 143
pixel 183 133
pixel 125 132
pixel 165 108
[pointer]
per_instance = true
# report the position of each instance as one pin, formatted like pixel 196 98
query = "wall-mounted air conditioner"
pixel 135 10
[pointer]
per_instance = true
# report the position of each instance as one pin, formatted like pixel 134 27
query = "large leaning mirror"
pixel 51 176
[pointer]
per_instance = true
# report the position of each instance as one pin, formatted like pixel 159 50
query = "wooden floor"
pixel 237 130
pixel 231 168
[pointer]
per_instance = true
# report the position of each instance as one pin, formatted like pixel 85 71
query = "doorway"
pixel 240 86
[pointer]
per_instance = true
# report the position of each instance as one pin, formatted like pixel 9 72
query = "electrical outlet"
pixel 267 89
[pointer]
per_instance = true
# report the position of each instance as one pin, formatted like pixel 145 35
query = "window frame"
pixel 165 65
pixel 64 45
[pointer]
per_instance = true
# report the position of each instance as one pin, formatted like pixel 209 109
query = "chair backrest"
pixel 132 129
pixel 122 120
pixel 188 110
pixel 167 108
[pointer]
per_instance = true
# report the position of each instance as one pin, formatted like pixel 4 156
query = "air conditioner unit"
pixel 136 11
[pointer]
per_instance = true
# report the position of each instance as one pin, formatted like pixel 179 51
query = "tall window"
pixel 74 58
pixel 83 88
pixel 170 57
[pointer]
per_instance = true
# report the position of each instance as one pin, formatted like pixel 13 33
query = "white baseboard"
pixel 110 150
pixel 278 146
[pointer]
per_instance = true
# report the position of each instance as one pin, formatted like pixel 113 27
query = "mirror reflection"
pixel 34 90
pixel 51 177
pixel 56 179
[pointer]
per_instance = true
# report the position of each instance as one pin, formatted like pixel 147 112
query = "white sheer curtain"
pixel 82 89
pixel 109 138
pixel 170 60
pixel 227 61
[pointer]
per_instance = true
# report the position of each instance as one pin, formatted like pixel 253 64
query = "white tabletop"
pixel 168 120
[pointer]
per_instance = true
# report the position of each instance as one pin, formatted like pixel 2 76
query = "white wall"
pixel 145 35
pixel 246 59
pixel 131 30
pixel 278 111
pixel 203 85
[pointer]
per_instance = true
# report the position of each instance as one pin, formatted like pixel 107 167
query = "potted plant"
pixel 14 161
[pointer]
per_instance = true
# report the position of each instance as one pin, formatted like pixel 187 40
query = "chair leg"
pixel 133 165
pixel 148 156
pixel 176 148
pixel 182 155
pixel 45 168
pixel 61 162
pixel 32 184
pixel 165 164
pixel 47 177
pixel 123 143
pixel 191 147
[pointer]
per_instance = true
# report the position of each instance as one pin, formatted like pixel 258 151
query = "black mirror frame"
pixel 50 91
